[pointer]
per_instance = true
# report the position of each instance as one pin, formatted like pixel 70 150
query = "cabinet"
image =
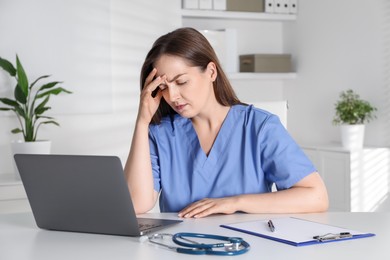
pixel 257 33
pixel 13 197
pixel 356 180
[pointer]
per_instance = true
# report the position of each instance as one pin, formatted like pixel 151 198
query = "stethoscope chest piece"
pixel 224 245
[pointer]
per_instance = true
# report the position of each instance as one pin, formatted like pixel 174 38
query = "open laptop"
pixel 82 194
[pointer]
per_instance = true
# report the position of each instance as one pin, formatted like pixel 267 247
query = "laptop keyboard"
pixel 148 226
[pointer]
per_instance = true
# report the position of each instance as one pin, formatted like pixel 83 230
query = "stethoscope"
pixel 232 246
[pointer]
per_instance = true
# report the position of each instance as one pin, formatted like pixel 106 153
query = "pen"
pixel 271 226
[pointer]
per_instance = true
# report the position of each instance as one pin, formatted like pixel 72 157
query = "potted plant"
pixel 29 105
pixel 352 113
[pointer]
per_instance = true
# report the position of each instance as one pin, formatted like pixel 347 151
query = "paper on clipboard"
pixel 293 231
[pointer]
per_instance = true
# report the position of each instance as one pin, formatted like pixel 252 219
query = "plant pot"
pixel 352 136
pixel 22 147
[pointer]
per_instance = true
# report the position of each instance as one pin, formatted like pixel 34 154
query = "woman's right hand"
pixel 149 104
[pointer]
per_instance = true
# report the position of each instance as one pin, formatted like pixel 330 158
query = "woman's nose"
pixel 174 92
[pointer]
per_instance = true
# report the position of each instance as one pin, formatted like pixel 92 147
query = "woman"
pixel 203 150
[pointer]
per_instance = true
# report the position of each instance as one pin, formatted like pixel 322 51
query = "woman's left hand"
pixel 206 207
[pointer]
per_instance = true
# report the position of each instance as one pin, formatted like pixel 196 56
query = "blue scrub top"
pixel 252 151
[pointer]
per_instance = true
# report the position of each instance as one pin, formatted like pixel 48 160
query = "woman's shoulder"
pixel 252 113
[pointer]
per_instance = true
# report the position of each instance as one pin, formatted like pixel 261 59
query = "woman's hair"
pixel 193 47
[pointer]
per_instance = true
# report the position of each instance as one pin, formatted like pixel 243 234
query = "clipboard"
pixel 296 231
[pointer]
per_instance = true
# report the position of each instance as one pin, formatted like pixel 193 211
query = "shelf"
pixel 261 76
pixel 187 13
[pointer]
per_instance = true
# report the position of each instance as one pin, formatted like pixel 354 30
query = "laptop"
pixel 82 193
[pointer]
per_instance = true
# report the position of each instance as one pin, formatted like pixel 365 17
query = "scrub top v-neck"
pixel 202 161
pixel 252 151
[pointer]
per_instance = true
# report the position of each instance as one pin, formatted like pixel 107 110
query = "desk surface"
pixel 21 239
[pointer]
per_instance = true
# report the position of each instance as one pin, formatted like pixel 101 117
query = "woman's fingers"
pixel 151 83
pixel 196 208
pixel 150 77
pixel 149 102
pixel 206 207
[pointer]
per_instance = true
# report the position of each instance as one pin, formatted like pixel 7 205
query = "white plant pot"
pixel 352 136
pixel 22 147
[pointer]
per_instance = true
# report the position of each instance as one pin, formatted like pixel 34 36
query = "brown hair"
pixel 192 46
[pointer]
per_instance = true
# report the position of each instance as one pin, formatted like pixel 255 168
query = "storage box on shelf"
pixel 266 63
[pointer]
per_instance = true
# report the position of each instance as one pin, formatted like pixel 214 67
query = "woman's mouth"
pixel 180 108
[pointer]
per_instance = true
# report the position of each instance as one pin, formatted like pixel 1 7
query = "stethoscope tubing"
pixel 176 238
pixel 235 245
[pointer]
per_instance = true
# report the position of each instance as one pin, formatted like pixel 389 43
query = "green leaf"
pixel 41 105
pixel 46 117
pixel 41 110
pixel 16 131
pixel 16 107
pixel 55 91
pixel 41 77
pixel 22 78
pixel 6 109
pixel 20 111
pixel 7 66
pixel 20 95
pixel 49 85
pixel 50 122
pixel 9 102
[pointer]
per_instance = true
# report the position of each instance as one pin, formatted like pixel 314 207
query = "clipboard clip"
pixel 332 236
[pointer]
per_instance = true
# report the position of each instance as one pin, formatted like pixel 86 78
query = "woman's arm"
pixel 138 168
pixel 307 195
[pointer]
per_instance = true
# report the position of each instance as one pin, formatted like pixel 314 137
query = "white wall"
pixel 338 45
pixel 335 44
pixel 131 28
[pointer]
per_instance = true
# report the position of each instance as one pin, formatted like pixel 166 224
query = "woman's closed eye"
pixel 177 83
pixel 181 83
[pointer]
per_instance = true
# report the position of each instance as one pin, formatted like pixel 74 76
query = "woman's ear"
pixel 212 70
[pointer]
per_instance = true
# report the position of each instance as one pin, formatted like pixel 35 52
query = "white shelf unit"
pixel 261 76
pixel 211 14
pixel 237 15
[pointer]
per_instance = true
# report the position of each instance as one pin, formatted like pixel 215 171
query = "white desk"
pixel 21 239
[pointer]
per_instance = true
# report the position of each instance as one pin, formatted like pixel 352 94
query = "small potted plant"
pixel 352 113
pixel 29 105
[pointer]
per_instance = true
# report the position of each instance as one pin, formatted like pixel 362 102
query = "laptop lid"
pixel 81 193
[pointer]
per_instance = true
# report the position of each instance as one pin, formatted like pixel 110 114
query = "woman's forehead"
pixel 165 60
pixel 172 66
